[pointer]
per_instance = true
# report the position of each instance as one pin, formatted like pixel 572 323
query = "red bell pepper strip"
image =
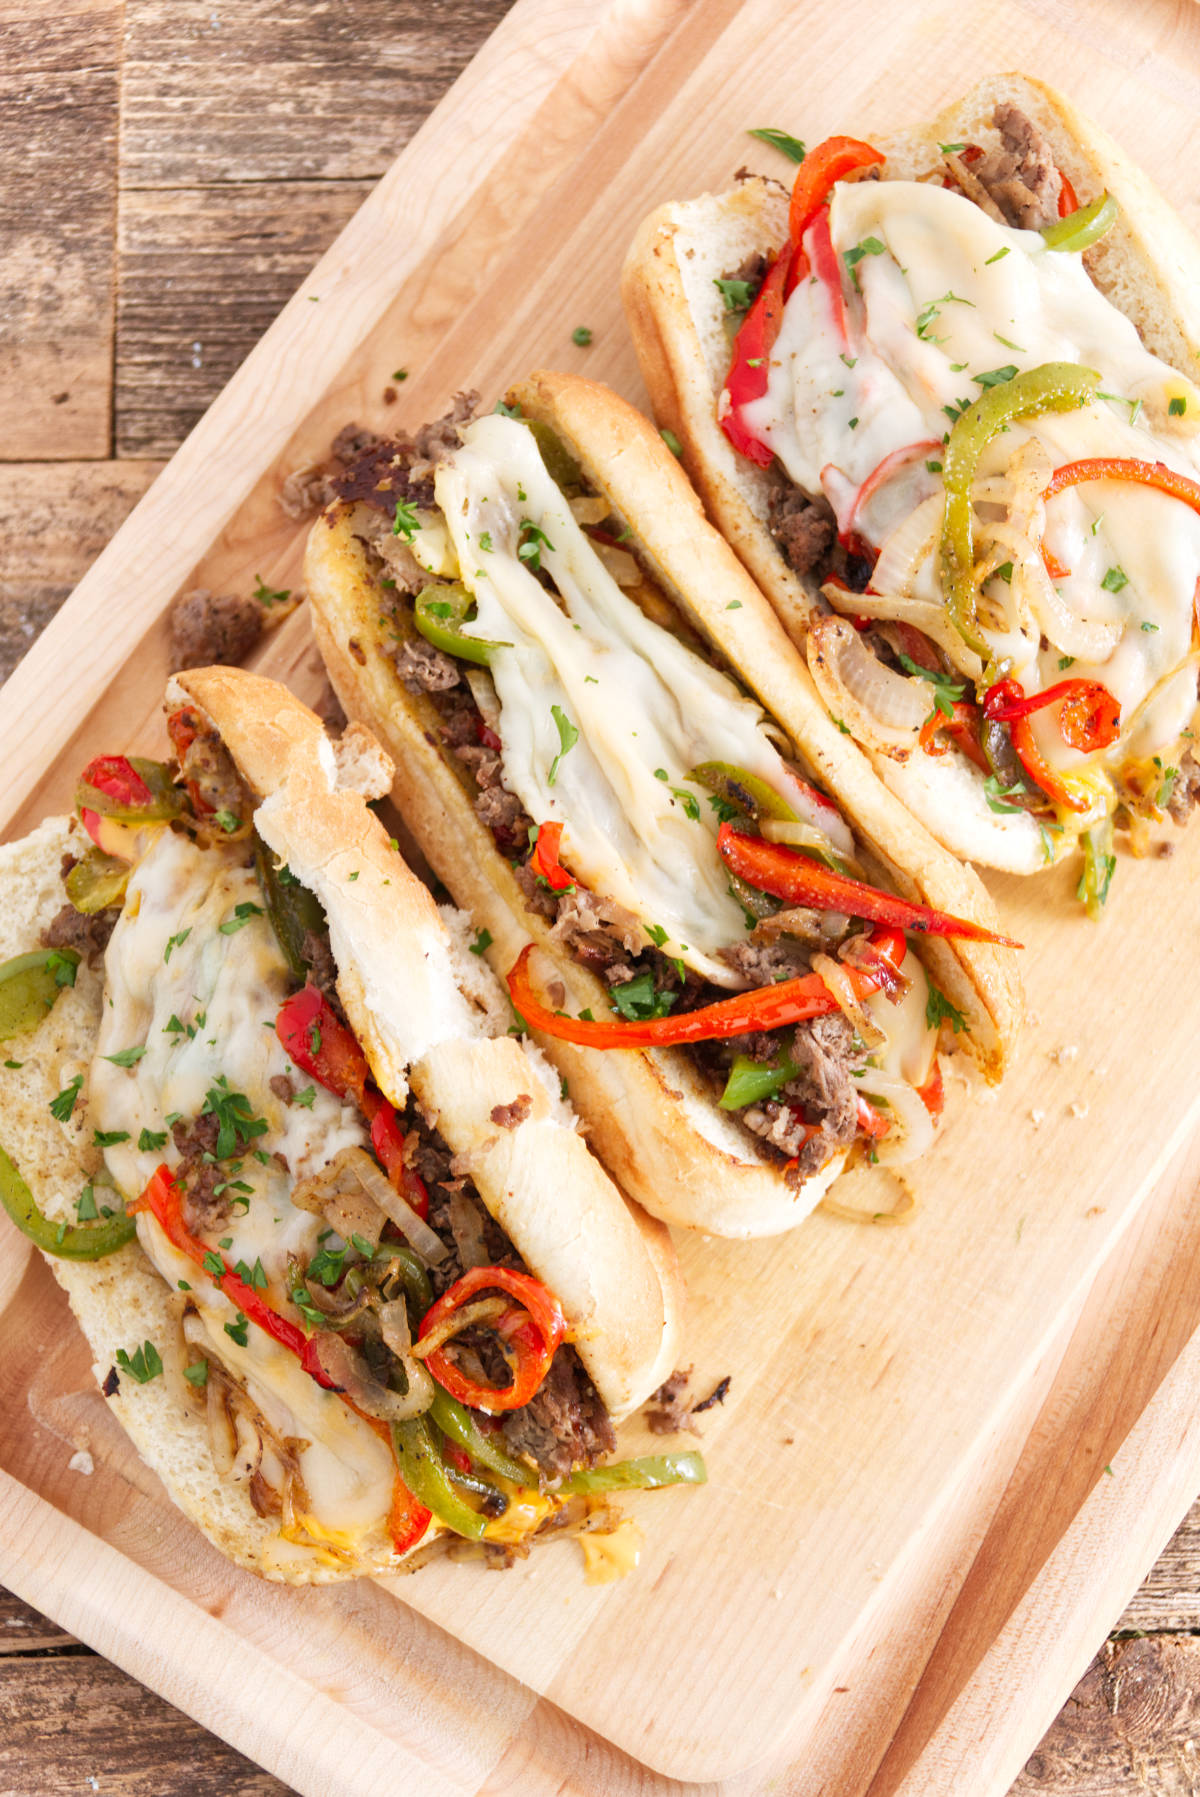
pixel 1090 718
pixel 408 1518
pixel 544 859
pixel 183 727
pixel 1067 200
pixel 933 1093
pixel 829 162
pixel 765 1008
pixel 117 778
pixel 316 1039
pixel 871 1122
pixel 822 257
pixel 1148 474
pixel 799 880
pixel 963 726
pixel 1052 565
pixel 750 367
pixel 532 1332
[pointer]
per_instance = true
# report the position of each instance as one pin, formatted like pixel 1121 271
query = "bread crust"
pixel 613 1269
pixel 1148 265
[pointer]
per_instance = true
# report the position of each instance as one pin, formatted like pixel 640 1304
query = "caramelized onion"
pixel 922 614
pixel 484 1310
pixel 911 1131
pixel 416 1231
pixel 351 1375
pixel 881 709
pixel 907 547
pixel 838 981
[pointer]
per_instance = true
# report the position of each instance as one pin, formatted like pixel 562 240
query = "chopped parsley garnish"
pixel 14 1064
pixel 144 1365
pixel 109 1138
pixel 638 1000
pixel 529 544
pixel 955 412
pixel 672 442
pixel 870 246
pixel 241 917
pixel 125 1057
pixel 1177 407
pixel 734 605
pixel 1114 580
pixel 238 1126
pixel 172 1027
pixel 996 377
pixel 952 149
pixel 64 967
pixel 85 1205
pixel 934 467
pixel 485 543
pixel 998 795
pixel 938 1007
pixel 228 821
pixel 788 146
pixel 255 1277
pixel 197 1373
pixel 237 1331
pixel 1008 343
pixel 568 736
pixel 151 1140
pixel 930 311
pixel 1149 626
pixel 945 689
pixel 400 374
pixel 724 810
pixel 305 1099
pixel 581 335
pixel 1162 797
pixel 1005 571
pixel 1065 661
pixel 62 1106
pixel 308 1310
pixel 507 411
pixel 406 524
pixel 844 728
pixel 269 596
pixel 736 294
pixel 326 1266
pixel 996 257
pixel 483 940
pixel 212 1263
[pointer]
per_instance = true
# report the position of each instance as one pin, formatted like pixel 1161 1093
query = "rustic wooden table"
pixel 169 172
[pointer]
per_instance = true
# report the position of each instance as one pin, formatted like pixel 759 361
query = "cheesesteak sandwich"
pixel 939 401
pixel 570 670
pixel 352 1279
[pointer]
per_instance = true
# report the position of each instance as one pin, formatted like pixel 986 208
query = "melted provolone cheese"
pixel 945 294
pixel 646 708
pixel 200 1001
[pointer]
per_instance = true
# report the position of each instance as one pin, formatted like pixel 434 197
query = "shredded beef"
pixel 424 669
pixel 824 1051
pixel 202 1208
pixel 352 440
pixel 460 718
pixel 388 469
pixel 69 928
pixel 207 765
pixel 564 1425
pixel 508 1116
pixel 804 528
pixel 495 806
pixel 598 931
pixel 763 963
pixel 717 1395
pixel 305 491
pixel 816 928
pixel 538 897
pixel 212 627
pixel 282 1087
pixel 1186 791
pixel 1021 176
pixel 322 968
pixel 668 1411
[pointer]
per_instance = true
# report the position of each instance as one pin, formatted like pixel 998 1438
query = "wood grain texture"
pixel 55 518
pixel 58 184
pixel 1170 1597
pixel 1130 1725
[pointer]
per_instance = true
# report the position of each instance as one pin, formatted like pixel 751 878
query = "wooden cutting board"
pixel 911 1540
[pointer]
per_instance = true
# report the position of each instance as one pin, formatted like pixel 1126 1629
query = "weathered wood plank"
pixel 55 518
pixel 58 132
pixel 1131 1724
pixel 1170 1598
pixel 74 1725
pixel 203 273
pixel 24 1631
pixel 252 90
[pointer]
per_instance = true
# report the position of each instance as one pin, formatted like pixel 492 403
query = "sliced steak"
pixel 1186 791
pixel 804 528
pixel 823 1049
pixel 597 930
pixel 424 669
pixel 70 928
pixel 1021 177
pixel 202 1208
pixel 762 963
pixel 212 627
pixel 564 1425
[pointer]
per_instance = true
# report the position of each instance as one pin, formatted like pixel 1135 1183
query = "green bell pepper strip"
pixel 560 464
pixel 129 789
pixel 456 1421
pixel 293 910
pixel 750 1082
pixel 425 1474
pixel 1099 864
pixel 70 1241
pixel 1051 387
pixel 96 882
pixel 413 1276
pixel 29 985
pixel 649 1474
pixel 752 796
pixel 440 611
pixel 1080 230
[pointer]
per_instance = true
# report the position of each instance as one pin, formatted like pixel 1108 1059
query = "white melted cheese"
pixel 646 708
pixel 953 294
pixel 203 1009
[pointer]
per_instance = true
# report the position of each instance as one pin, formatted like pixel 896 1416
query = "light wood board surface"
pixel 884 1382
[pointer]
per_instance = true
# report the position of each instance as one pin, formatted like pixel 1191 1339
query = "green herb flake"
pixel 568 736
pixel 125 1057
pixel 788 146
pixel 1009 344
pixel 1065 661
pixel 1114 580
pixel 64 967
pixel 109 1138
pixel 85 1205
pixel 938 1009
pixel 142 1366
pixel 255 1277
pixel 934 467
pixel 870 246
pixel 482 941
pixel 269 596
pixel 197 1373
pixel 1162 797
pixel 672 442
pixel 1148 626
pixel 485 541
pixel 530 540
pixel 999 796
pixel 151 1140
pixel 581 336
pixel 996 377
pixel 405 524
pixel 1177 407
pixel 305 1099
pixel 15 1065
pixel 946 691
pixel 62 1106
pixel 237 1124
pixel 637 1000
pixel 237 1331
pixel 997 257
pixel 242 914
pixel 952 149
